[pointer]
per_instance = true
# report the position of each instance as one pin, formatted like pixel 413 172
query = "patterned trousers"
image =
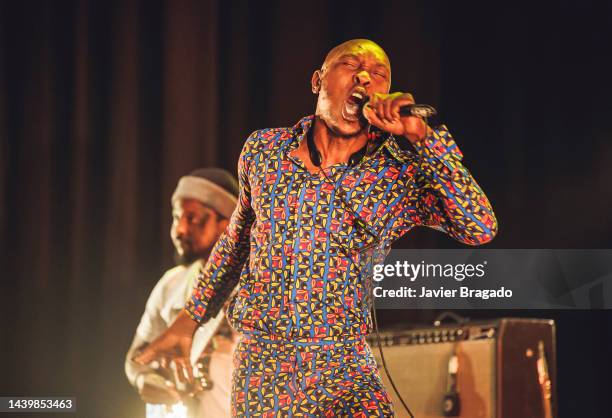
pixel 275 378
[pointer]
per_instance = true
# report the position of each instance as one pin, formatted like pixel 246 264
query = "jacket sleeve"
pixel 447 196
pixel 221 273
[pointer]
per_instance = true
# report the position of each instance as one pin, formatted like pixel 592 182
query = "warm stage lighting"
pixel 178 410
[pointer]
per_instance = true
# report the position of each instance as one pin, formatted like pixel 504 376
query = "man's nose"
pixel 363 78
pixel 181 227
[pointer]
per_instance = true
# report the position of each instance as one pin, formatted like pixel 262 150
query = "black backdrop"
pixel 103 105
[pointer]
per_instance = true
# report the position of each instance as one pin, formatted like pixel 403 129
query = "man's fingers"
pixel 146 356
pixel 371 116
pixel 165 344
pixel 404 99
pixel 164 362
pixel 387 106
pixel 380 111
pixel 182 369
pixel 376 104
pixel 387 109
pixel 395 102
pixel 395 110
pixel 408 97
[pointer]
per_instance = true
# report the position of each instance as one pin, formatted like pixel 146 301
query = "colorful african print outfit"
pixel 293 248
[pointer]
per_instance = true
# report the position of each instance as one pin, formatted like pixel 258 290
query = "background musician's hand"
pixel 173 345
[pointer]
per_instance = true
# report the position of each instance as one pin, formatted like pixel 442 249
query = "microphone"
pixel 418 110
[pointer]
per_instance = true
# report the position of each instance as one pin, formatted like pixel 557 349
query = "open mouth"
pixel 351 110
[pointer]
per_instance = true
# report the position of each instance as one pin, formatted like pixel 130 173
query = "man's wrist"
pixel 417 139
pixel 184 324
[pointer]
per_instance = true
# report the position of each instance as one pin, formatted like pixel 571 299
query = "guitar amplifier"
pixel 503 368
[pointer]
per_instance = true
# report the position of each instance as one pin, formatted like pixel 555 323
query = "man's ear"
pixel 315 82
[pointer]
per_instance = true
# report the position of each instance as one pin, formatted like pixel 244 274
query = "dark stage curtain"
pixel 104 105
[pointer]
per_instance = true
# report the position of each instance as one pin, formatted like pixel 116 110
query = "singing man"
pixel 312 196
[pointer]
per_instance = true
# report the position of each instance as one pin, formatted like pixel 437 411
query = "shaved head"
pixel 356 46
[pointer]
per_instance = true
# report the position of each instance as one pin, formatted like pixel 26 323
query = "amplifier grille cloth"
pixel 420 373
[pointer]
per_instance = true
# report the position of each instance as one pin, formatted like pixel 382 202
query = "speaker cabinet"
pixel 504 369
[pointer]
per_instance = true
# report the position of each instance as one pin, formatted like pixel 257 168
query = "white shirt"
pixel 166 301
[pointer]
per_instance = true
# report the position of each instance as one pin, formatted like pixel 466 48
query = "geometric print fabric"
pixel 293 248
pixel 329 379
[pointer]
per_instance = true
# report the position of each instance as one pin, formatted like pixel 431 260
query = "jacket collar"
pixel 376 136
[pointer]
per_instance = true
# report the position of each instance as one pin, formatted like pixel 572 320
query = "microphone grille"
pixel 422 111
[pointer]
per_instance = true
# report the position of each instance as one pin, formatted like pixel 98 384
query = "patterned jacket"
pixel 293 246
